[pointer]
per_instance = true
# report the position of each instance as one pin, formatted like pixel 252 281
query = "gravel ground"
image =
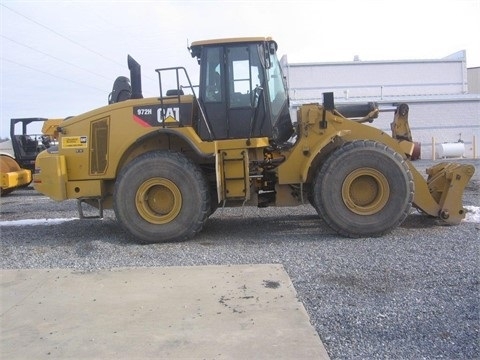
pixel 413 294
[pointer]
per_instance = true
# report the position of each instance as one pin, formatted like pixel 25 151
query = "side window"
pixel 241 77
pixel 276 88
pixel 213 84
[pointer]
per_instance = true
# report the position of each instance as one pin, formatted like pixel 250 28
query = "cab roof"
pixel 195 47
pixel 230 40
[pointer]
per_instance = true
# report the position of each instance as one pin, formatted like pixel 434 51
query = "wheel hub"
pixel 365 191
pixel 158 200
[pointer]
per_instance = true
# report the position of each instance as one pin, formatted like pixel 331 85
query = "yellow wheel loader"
pixel 17 154
pixel 165 163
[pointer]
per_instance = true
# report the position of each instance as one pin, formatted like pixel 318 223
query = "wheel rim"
pixel 365 191
pixel 158 200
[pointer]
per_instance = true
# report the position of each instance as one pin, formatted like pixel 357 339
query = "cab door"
pixel 244 77
pixel 232 91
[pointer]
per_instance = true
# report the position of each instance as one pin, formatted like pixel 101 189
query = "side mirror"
pixel 272 46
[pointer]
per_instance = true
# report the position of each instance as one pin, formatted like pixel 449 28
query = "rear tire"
pixel 364 189
pixel 161 196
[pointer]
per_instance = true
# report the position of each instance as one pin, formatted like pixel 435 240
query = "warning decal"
pixel 74 142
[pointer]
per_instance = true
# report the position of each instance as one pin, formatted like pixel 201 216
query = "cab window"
pixel 245 75
pixel 213 85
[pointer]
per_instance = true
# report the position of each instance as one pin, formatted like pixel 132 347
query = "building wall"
pixel 473 75
pixel 437 91
pixel 382 80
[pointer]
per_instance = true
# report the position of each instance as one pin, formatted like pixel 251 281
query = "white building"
pixel 442 110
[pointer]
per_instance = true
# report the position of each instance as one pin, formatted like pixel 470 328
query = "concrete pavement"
pixel 202 312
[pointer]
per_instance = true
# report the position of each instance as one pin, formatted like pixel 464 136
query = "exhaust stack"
pixel 135 78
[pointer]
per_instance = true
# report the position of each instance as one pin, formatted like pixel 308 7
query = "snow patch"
pixel 473 214
pixel 35 222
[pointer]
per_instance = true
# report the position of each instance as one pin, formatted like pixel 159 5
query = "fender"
pixel 313 138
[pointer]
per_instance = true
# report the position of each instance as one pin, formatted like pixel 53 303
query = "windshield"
pixel 276 87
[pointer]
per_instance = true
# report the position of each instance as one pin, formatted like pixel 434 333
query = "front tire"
pixel 364 189
pixel 161 196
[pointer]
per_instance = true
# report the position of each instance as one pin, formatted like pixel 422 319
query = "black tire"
pixel 5 192
pixel 364 189
pixel 161 196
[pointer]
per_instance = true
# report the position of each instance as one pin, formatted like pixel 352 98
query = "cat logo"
pixel 170 114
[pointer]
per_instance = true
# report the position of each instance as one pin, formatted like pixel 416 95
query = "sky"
pixel 60 58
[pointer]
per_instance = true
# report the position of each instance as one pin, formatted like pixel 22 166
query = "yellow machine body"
pixel 101 153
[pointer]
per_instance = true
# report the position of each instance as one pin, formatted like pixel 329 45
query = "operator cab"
pixel 242 90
